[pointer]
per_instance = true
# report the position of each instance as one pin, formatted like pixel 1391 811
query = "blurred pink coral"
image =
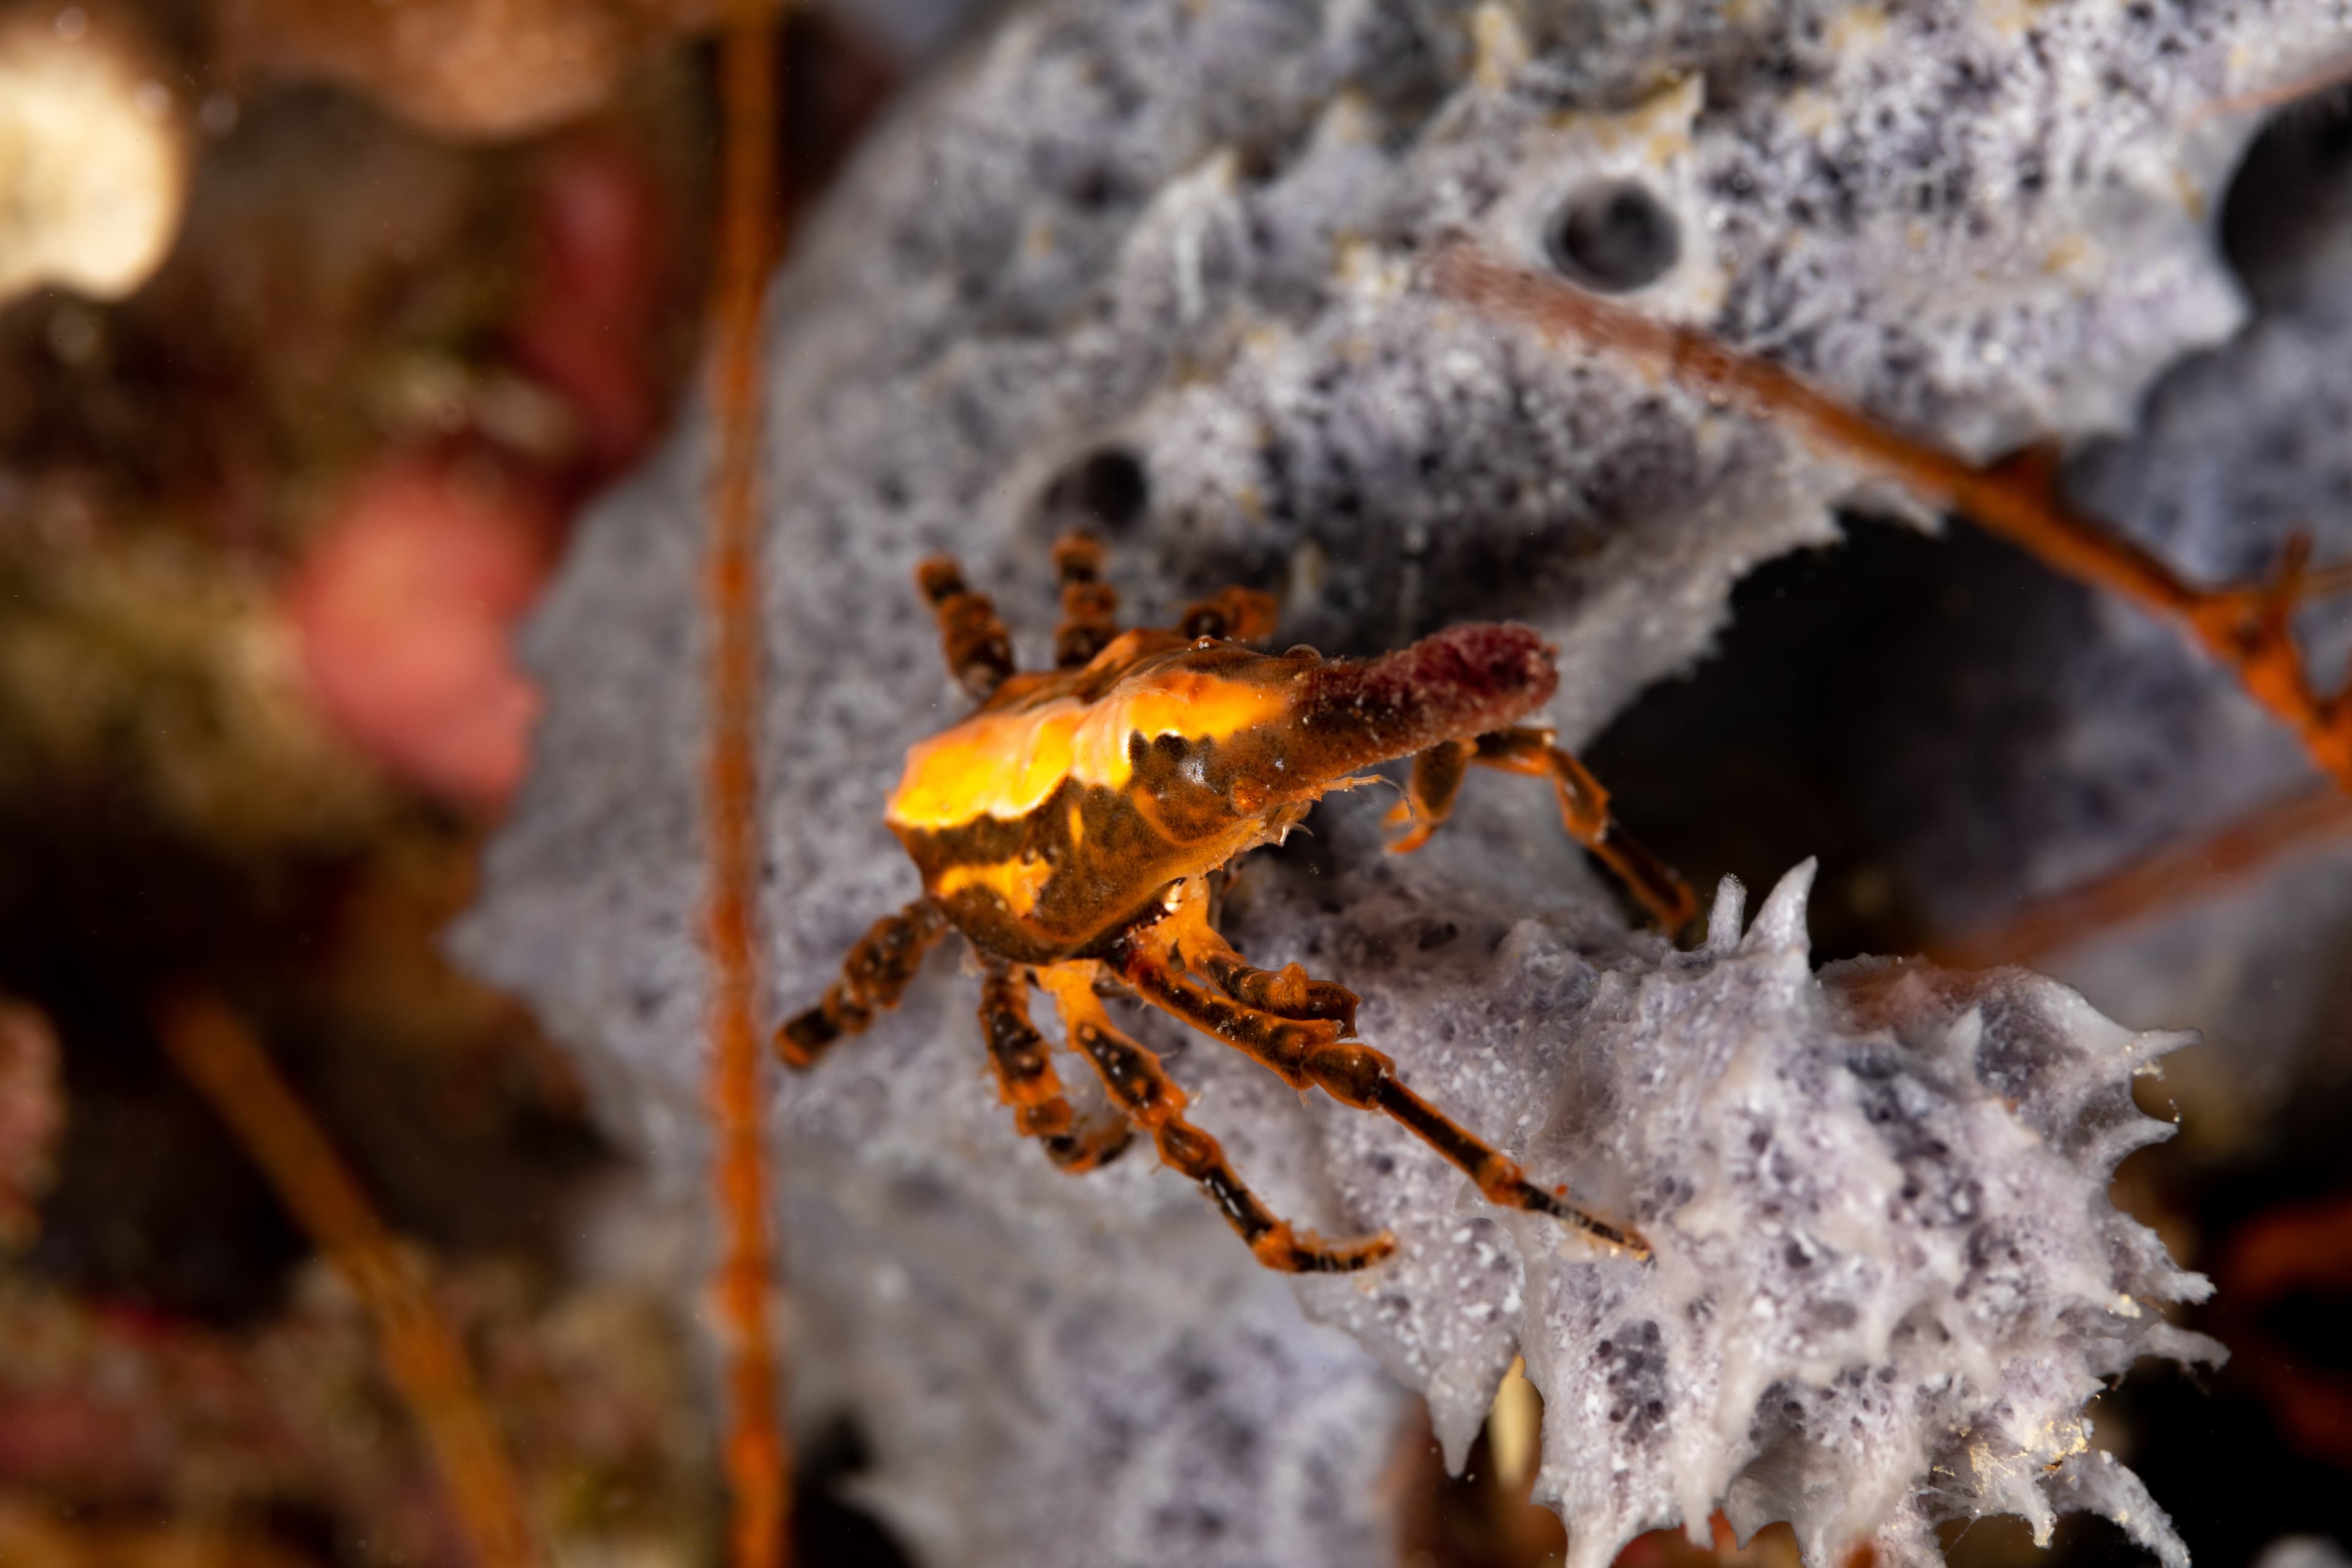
pixel 402 610
pixel 404 605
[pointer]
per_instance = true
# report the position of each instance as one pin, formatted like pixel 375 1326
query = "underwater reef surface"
pixel 1153 268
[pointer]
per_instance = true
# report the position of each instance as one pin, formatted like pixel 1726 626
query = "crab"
pixel 1073 828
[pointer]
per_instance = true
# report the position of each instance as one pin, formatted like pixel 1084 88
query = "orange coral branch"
pixel 2176 874
pixel 757 1462
pixel 2244 627
pixel 420 1355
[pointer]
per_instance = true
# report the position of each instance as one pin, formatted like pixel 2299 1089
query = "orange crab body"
pixel 1057 814
pixel 1070 826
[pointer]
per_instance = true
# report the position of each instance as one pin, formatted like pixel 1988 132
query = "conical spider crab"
pixel 1070 827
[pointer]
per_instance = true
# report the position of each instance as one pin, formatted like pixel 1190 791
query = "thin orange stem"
pixel 757 1459
pixel 2262 100
pixel 2334 578
pixel 422 1357
pixel 2242 626
pixel 2172 877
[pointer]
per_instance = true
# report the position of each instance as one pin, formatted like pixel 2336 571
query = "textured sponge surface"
pixel 1176 244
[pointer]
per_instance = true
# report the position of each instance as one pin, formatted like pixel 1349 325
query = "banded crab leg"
pixel 881 964
pixel 1089 604
pixel 1308 1053
pixel 1024 1073
pixel 1436 781
pixel 1285 993
pixel 1141 1088
pixel 977 649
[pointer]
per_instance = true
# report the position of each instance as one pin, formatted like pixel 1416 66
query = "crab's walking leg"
pixel 1428 794
pixel 977 648
pixel 1144 1090
pixel 1025 1074
pixel 1285 993
pixel 1237 614
pixel 880 968
pixel 1310 1054
pixel 1089 604
pixel 1583 807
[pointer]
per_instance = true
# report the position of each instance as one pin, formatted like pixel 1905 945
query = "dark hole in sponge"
pixel 2284 216
pixel 830 1525
pixel 1107 486
pixel 1613 236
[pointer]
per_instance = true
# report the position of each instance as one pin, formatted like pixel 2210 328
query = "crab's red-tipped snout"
pixel 1463 681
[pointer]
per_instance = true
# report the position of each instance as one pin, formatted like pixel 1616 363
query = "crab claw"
pixel 1463 681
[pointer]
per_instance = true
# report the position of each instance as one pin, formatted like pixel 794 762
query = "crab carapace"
pixel 1070 827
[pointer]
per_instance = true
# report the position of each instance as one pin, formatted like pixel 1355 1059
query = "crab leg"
pixel 1142 1088
pixel 1428 794
pixel 1089 604
pixel 1310 1054
pixel 977 648
pixel 1025 1075
pixel 1285 993
pixel 1583 808
pixel 1237 614
pixel 880 968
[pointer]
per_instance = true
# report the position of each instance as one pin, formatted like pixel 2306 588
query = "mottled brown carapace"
pixel 1070 829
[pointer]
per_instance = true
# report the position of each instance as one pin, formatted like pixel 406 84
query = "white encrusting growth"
pixel 1887 1276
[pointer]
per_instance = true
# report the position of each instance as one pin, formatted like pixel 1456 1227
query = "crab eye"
pixel 1304 650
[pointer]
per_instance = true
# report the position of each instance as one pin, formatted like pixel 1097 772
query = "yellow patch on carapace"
pixel 1017 882
pixel 991 764
pixel 1007 764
